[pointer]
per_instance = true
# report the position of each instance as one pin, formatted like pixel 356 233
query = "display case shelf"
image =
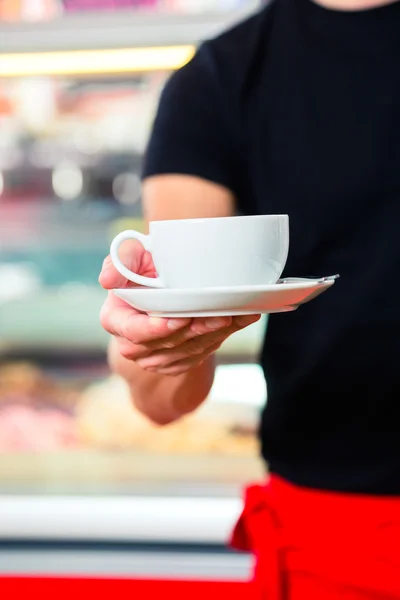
pixel 122 29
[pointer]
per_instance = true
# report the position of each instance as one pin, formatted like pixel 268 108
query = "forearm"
pixel 163 398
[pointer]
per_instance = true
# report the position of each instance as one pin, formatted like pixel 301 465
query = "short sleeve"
pixel 192 133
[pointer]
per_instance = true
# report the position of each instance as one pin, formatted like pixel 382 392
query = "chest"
pixel 323 145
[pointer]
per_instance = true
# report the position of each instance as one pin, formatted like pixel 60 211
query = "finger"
pixel 124 321
pixel 147 358
pixel 188 333
pixel 203 325
pixel 134 257
pixel 182 366
pixel 246 320
pixel 129 350
pixel 194 347
pixel 164 358
pixel 165 351
pixel 109 277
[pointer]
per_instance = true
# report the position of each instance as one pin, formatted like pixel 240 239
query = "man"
pixel 294 111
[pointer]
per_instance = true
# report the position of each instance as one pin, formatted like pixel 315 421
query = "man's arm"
pixel 161 397
pixel 191 170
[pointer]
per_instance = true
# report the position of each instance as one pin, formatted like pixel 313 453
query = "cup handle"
pixel 145 240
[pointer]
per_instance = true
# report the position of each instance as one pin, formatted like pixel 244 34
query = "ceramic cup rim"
pixel 206 220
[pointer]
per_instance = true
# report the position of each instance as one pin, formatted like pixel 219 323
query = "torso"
pixel 324 147
pixel 312 100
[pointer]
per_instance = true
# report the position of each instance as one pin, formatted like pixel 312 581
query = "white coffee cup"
pixel 215 252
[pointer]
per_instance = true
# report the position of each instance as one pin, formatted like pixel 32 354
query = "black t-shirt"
pixel 297 110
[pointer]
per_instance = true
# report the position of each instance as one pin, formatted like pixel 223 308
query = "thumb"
pixel 135 257
pixel 109 277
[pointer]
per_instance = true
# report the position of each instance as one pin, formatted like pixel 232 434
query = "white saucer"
pixel 233 301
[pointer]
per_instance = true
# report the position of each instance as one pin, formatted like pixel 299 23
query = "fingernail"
pixel 215 323
pixel 101 275
pixel 156 322
pixel 175 324
pixel 104 270
pixel 106 264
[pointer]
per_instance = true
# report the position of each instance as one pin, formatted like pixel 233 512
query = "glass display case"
pixel 71 152
pixel 12 11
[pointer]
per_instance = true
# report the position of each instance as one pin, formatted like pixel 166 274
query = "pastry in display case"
pixel 81 418
pixel 102 415
pixel 35 411
pixel 106 418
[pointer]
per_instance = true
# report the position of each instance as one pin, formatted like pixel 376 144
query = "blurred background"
pixel 80 470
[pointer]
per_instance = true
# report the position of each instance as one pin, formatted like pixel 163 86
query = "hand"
pixel 163 346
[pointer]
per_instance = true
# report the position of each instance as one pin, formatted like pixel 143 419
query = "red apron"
pixel 316 545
